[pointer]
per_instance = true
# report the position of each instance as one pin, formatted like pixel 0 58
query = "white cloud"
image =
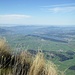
pixel 55 10
pixel 60 8
pixel 14 16
pixel 60 5
pixel 14 19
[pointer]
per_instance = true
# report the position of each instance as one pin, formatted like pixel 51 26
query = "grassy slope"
pixel 35 43
pixel 63 66
pixel 24 63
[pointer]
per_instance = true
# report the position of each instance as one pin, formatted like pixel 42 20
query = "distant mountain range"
pixel 46 32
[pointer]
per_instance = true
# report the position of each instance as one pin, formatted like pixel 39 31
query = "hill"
pixel 57 43
pixel 23 63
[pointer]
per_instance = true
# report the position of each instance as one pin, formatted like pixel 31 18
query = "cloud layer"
pixel 14 18
pixel 60 8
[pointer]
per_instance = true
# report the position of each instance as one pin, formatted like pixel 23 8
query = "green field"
pixel 34 43
pixel 57 46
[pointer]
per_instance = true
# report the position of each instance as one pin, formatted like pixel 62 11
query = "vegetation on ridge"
pixel 23 63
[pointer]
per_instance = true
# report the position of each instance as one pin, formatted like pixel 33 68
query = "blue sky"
pixel 37 12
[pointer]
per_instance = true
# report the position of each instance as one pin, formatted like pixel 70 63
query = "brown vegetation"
pixel 24 63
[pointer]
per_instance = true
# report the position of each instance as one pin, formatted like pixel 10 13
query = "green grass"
pixel 35 42
pixel 63 66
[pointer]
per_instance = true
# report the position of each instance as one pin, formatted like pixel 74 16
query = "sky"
pixel 37 12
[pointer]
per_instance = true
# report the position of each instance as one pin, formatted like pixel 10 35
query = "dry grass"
pixel 51 69
pixel 25 57
pixel 24 63
pixel 4 48
pixel 39 66
pixel 5 54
